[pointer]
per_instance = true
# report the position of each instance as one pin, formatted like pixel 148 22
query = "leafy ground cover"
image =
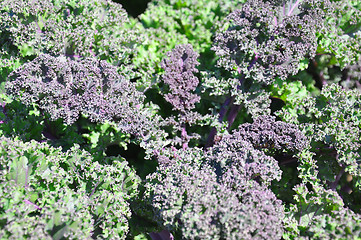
pixel 196 119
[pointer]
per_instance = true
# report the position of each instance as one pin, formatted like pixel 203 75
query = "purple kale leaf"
pixel 187 196
pixel 241 152
pixel 265 132
pixel 268 39
pixel 180 66
pixel 85 28
pixel 66 88
pixel 245 162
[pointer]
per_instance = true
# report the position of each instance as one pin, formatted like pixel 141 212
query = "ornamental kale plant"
pixel 203 205
pixel 195 120
pixel 47 193
pixel 67 88
pixel 179 75
pixel 268 39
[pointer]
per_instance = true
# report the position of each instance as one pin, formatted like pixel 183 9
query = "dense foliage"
pixel 199 119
